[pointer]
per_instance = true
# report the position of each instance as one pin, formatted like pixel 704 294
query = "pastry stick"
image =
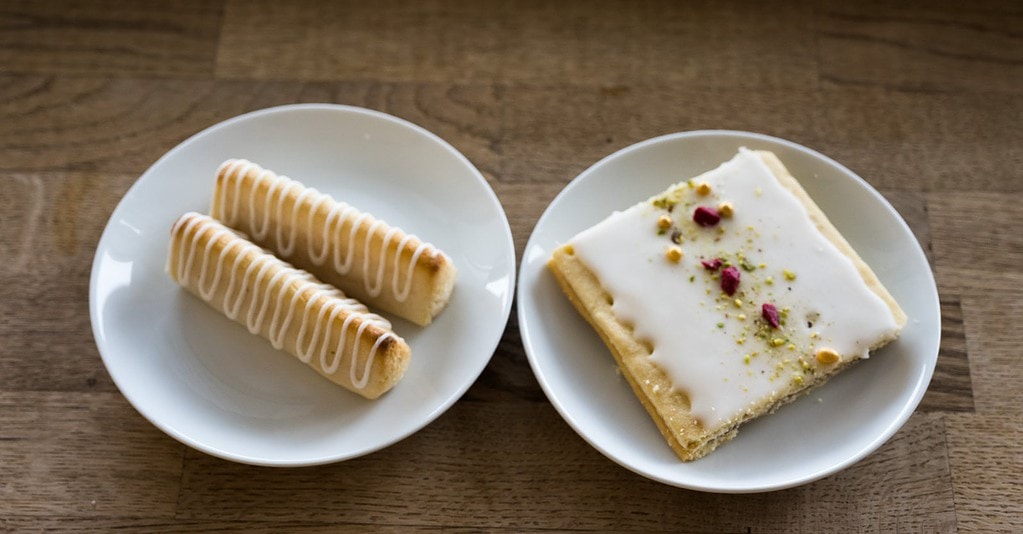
pixel 363 256
pixel 315 322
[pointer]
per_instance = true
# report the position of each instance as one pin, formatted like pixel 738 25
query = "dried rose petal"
pixel 705 216
pixel 770 314
pixel 729 280
pixel 712 265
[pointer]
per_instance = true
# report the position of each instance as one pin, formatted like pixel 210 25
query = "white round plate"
pixel 833 427
pixel 204 380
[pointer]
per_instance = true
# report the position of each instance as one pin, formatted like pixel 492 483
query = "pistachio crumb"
pixel 789 275
pixel 828 356
pixel 769 280
pixel 777 342
pixel 742 316
pixel 798 379
pixel 737 302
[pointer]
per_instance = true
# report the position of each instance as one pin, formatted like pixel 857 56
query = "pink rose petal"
pixel 729 280
pixel 711 265
pixel 705 216
pixel 770 314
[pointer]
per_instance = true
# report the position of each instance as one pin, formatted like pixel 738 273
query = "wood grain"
pixel 67 124
pixel 986 478
pixel 951 387
pixel 605 42
pixel 162 39
pixel 912 207
pixel 975 252
pixel 53 222
pixel 921 46
pixel 84 454
pixel 971 230
pixel 996 363
pixel 173 526
pixel 525 202
pixel 894 141
pixel 923 141
pixel 498 463
pixel 524 134
pixel 921 99
pixel 508 376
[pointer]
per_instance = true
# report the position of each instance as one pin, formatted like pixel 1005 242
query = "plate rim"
pixel 452 397
pixel 525 268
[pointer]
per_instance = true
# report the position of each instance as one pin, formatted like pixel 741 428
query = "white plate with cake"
pixel 397 348
pixel 727 311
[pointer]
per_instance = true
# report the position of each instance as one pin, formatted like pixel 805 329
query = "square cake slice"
pixel 725 297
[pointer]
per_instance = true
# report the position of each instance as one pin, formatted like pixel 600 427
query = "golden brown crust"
pixel 390 359
pixel 434 274
pixel 669 408
pixel 584 292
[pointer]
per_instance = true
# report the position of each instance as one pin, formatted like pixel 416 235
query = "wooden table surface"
pixel 922 99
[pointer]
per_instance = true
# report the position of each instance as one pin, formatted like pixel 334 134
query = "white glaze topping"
pixel 211 267
pixel 716 349
pixel 277 206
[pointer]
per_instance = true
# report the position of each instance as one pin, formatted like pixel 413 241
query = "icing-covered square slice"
pixel 725 297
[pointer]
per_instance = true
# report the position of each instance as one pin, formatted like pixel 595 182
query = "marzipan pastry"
pixel 315 322
pixel 365 257
pixel 725 297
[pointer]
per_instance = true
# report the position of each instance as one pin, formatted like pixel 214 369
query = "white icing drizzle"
pixel 694 329
pixel 195 227
pixel 273 212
